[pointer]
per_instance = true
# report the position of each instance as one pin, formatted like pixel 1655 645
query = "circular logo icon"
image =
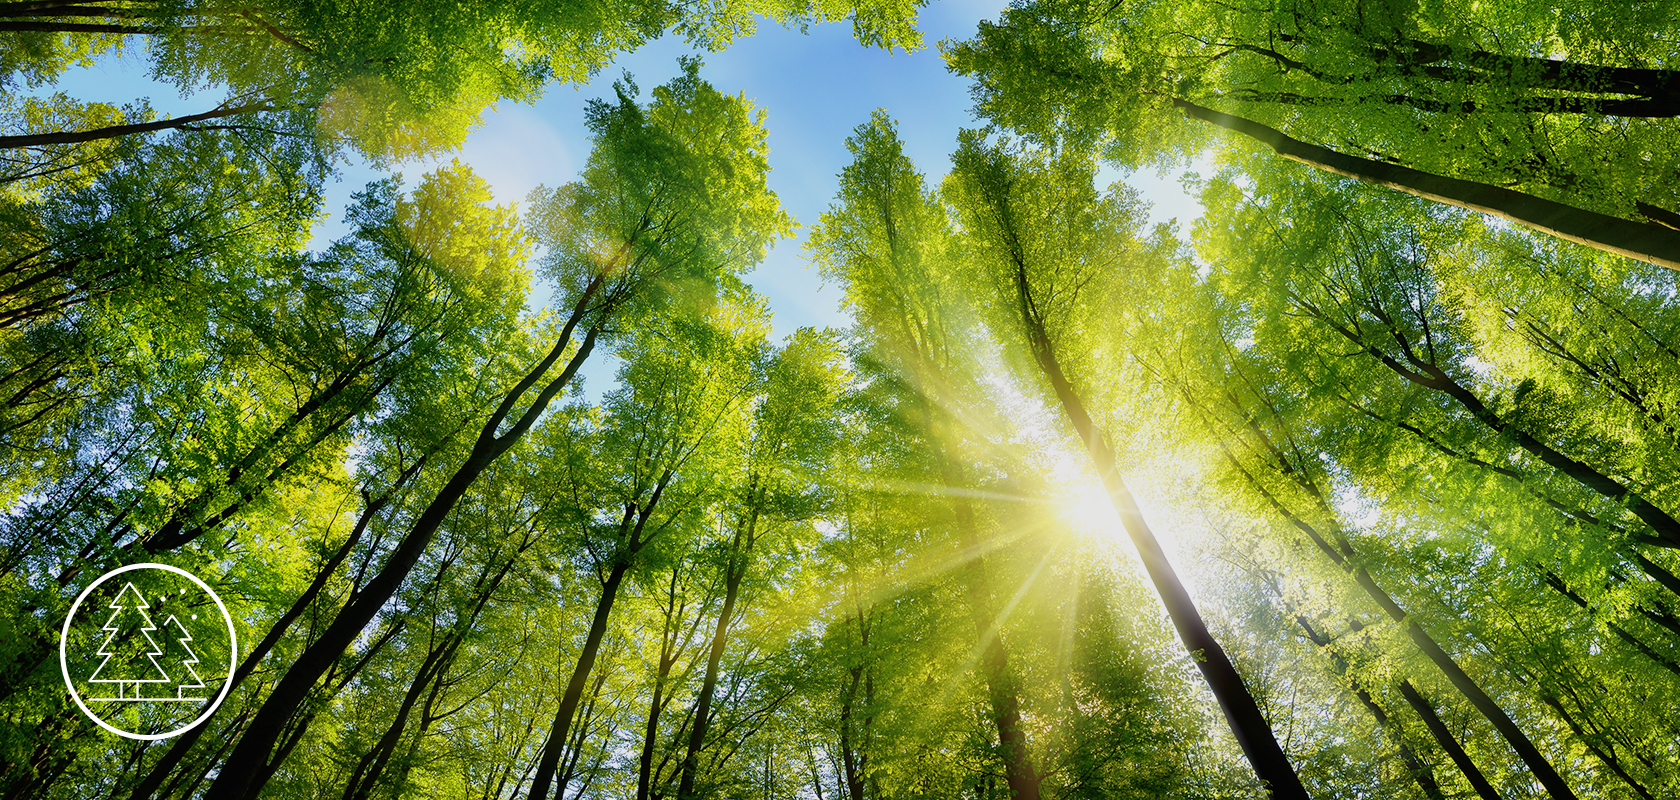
pixel 147 651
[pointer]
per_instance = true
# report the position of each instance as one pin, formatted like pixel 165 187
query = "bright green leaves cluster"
pixel 886 238
pixel 672 201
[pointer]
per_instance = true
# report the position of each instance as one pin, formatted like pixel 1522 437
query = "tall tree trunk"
pixel 1639 240
pixel 178 749
pixel 634 523
pixel 650 740
pixel 114 131
pixel 429 678
pixel 848 756
pixel 1253 733
pixel 542 781
pixel 1642 107
pixel 1604 754
pixel 671 648
pixel 1002 692
pixel 1562 588
pixel 1415 55
pixel 1444 737
pixel 238 777
pixel 736 568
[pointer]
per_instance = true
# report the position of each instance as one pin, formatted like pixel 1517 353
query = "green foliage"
pixel 1411 462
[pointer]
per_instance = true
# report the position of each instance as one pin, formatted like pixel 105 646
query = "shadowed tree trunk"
pixel 1346 558
pixel 114 131
pixel 735 569
pixel 635 521
pixel 1444 737
pixel 671 649
pixel 1644 241
pixel 1419 770
pixel 1425 373
pixel 178 749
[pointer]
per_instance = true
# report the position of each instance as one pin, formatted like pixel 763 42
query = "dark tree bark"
pixel 635 522
pixel 1423 372
pixel 428 681
pixel 1420 771
pixel 1345 557
pixel 673 642
pixel 1444 737
pixel 1604 754
pixel 1002 693
pixel 854 755
pixel 114 131
pixel 178 749
pixel 1657 214
pixel 1638 240
pixel 1562 588
pixel 740 550
pixel 1414 55
pixel 1612 107
pixel 708 689
pixel 1474 66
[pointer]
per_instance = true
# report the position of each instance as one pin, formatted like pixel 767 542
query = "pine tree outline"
pixel 188 662
pixel 112 629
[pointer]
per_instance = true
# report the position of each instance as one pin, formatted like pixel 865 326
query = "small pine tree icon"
pixel 122 665
pixel 187 688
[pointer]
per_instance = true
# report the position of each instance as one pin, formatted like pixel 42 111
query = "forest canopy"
pixel 1365 483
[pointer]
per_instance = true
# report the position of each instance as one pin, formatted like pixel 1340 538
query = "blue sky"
pixel 815 88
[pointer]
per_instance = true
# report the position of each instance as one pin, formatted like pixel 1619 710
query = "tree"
pixel 791 434
pixel 130 605
pixel 683 393
pixel 993 198
pixel 190 682
pixel 885 238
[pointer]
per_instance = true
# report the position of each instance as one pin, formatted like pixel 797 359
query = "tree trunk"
pixel 650 740
pixel 1253 733
pixel 1001 691
pixel 237 779
pixel 550 761
pixel 736 570
pixel 1444 737
pixel 184 742
pixel 1544 73
pixel 1560 587
pixel 1429 376
pixel 430 677
pixel 1643 241
pixel 848 756
pixel 114 131
pixel 1642 107
pixel 1604 755
pixel 634 522
pixel 1467 686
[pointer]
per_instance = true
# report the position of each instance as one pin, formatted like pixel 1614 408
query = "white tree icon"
pixel 128 672
pixel 187 687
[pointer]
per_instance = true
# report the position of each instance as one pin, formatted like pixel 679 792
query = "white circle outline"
pixel 64 658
